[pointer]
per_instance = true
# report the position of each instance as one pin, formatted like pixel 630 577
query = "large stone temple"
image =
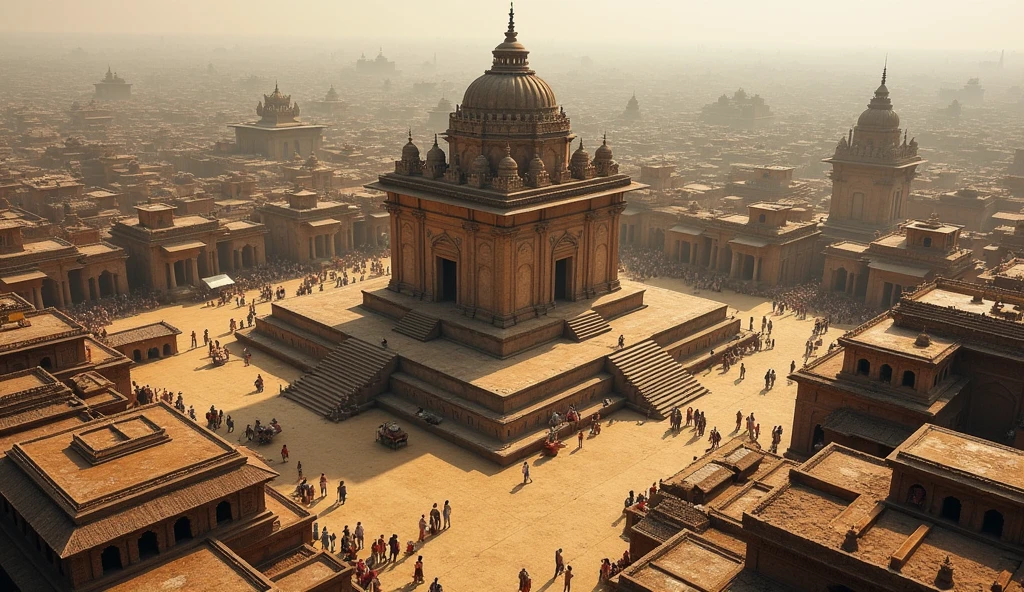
pixel 504 305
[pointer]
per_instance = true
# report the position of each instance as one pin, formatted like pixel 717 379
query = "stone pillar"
pixel 194 264
pixel 469 260
pixel 330 244
pixel 311 256
pixel 396 245
pixel 66 285
pixel 713 259
pixel 421 250
pixel 734 266
pixel 37 298
pixel 174 280
pixel 757 268
pixel 118 287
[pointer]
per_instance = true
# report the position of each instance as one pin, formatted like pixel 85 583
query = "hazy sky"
pixel 988 25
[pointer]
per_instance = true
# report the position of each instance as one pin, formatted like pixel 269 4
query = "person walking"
pixel 743 371
pixel 359 533
pixel 579 440
pixel 195 342
pixel 423 527
pixel 417 574
pixel 447 513
pixel 559 563
pixel 342 492
pixel 568 579
pixel 526 473
pixel 284 453
pixel 323 485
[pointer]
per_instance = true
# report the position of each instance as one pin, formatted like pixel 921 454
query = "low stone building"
pixel 148 342
pixel 278 134
pixel 306 227
pixel 113 88
pixel 167 252
pixel 946 354
pixel 56 343
pixel 880 272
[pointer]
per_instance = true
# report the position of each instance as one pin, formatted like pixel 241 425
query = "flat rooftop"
pixel 85 482
pixel 342 311
pixel 47 323
pixel 888 336
pixel 209 567
pixel 944 452
pixel 946 298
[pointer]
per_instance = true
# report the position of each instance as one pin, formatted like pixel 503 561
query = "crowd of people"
pixel 96 316
pixel 641 264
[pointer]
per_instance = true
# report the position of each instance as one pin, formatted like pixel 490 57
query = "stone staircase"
pixel 419 326
pixel 349 375
pixel 587 325
pixel 652 379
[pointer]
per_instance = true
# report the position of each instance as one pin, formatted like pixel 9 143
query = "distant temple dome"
pixel 879 114
pixel 604 152
pixel 410 152
pixel 510 85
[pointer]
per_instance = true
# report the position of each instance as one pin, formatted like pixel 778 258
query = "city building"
pixel 330 105
pixel 169 253
pixel 632 112
pixel 60 271
pixel 946 354
pixel 878 273
pixel 741 109
pixel 971 208
pixel 113 88
pixel 379 66
pixel 505 254
pixel 770 244
pixel 437 118
pixel 1014 179
pixel 99 503
pixel 91 117
pixel 306 227
pixel 766 184
pixel 871 174
pixel 278 134
pixel 52 341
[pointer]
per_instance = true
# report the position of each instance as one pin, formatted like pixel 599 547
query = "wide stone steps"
pixel 587 325
pixel 343 377
pixel 419 326
pixel 653 379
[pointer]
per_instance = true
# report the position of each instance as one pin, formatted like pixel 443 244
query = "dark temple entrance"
pixel 447 280
pixel 562 278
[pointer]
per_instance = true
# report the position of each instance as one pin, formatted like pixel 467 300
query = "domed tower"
pixel 872 169
pixel 632 112
pixel 512 224
pixel 510 104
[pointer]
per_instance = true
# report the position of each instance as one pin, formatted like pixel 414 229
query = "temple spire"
pixel 885 67
pixel 510 35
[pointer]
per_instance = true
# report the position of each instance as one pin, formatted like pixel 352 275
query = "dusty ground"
pixel 498 524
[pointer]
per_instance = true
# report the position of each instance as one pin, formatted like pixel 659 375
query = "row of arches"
pixel 908 378
pixel 153 353
pixel 148 544
pixel 991 521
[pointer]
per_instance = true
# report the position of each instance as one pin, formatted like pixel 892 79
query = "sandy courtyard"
pixel 498 524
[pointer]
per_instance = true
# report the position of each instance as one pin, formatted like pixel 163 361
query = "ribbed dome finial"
pixel 885 67
pixel 510 35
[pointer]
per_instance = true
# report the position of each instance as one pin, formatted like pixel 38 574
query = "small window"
pixel 909 378
pixel 863 367
pixel 46 363
pixel 927 241
pixel 951 509
pixel 885 373
pixel 761 219
pixel 992 523
pixel 916 496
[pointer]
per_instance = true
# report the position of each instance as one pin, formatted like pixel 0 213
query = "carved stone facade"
pixel 871 174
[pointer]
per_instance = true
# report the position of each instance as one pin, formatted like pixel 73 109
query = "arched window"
pixel 110 559
pixel 885 373
pixel 992 523
pixel 951 509
pixel 148 545
pixel 916 496
pixel 761 218
pixel 909 378
pixel 863 367
pixel 153 353
pixel 223 512
pixel 137 355
pixel 46 363
pixel 818 438
pixel 927 241
pixel 167 349
pixel 182 529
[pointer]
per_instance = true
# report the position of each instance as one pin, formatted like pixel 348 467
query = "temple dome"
pixel 879 114
pixel 480 165
pixel 410 152
pixel 435 155
pixel 510 85
pixel 508 167
pixel 580 157
pixel 604 152
pixel 536 164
